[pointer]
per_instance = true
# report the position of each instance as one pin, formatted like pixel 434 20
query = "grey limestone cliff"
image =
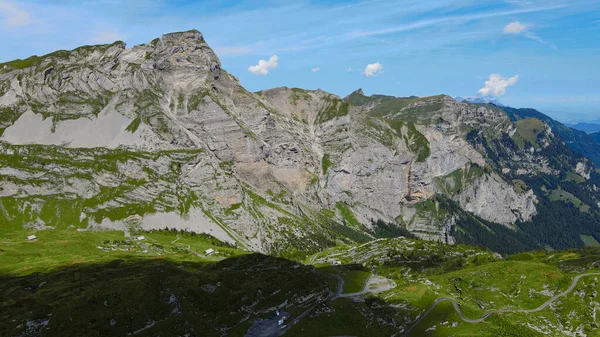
pixel 160 136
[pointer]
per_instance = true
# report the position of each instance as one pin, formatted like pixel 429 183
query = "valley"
pixel 388 287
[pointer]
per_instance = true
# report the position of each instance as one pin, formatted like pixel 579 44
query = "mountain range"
pixel 479 100
pixel 585 126
pixel 160 136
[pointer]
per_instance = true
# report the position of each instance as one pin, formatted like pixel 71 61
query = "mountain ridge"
pixel 585 126
pixel 159 136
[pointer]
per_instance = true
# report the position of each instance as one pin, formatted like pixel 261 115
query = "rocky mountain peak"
pixel 192 35
pixel 184 49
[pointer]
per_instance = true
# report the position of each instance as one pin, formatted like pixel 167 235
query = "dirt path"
pixel 499 311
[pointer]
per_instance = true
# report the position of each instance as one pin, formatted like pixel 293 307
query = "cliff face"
pixel 160 135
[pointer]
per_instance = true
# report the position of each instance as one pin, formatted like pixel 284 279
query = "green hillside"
pixel 479 281
pixel 70 283
pixel 578 141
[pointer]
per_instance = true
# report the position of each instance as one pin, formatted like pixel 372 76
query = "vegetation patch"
pixel 572 176
pixel 564 196
pixel 530 129
pixel 415 141
pixel 133 126
pixel 335 108
pixel 325 163
pixel 347 214
pixel 589 241
pixel 520 186
pixel 456 181
pixel 299 94
pixel 64 166
pixel 413 109
pixel 196 99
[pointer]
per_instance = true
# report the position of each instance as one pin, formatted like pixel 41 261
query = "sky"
pixel 542 54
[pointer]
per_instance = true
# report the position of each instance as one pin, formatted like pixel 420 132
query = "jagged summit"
pixel 184 49
pixel 192 33
pixel 359 91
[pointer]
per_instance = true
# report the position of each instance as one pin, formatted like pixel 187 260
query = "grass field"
pixel 354 277
pixel 561 195
pixel 70 283
pixel 59 248
pixel 354 281
pixel 529 129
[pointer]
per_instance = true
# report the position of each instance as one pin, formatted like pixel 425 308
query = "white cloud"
pixel 373 69
pixel 496 85
pixel 514 27
pixel 349 69
pixel 314 70
pixel 107 37
pixel 262 68
pixel 13 16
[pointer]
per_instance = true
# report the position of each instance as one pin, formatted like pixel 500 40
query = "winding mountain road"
pixel 499 311
pixel 337 294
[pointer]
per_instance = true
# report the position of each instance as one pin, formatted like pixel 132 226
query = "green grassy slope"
pixel 578 141
pixel 479 280
pixel 70 283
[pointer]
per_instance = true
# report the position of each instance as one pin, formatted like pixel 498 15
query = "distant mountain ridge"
pixel 578 141
pixel 479 100
pixel 585 127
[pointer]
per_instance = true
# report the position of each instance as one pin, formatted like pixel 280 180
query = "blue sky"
pixel 545 54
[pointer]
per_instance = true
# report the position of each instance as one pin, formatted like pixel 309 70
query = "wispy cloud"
pixel 446 19
pixel 12 15
pixel 314 70
pixel 534 37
